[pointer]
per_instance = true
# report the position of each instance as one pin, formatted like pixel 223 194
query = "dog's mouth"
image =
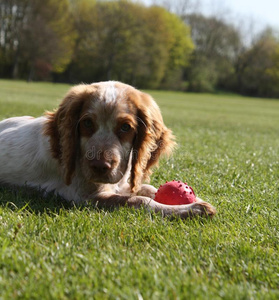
pixel 104 171
pixel 105 179
pixel 105 175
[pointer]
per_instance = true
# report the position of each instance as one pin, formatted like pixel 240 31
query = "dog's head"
pixel 108 128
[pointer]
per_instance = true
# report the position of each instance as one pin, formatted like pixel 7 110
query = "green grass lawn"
pixel 228 151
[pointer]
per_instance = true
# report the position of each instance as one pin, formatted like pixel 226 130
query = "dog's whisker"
pixel 141 121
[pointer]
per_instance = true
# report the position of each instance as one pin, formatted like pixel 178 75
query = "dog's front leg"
pixel 199 208
pixel 147 191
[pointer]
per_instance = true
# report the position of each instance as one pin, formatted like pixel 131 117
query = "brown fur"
pixel 63 131
pixel 85 154
pixel 153 138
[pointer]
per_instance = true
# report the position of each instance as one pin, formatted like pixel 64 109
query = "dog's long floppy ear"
pixel 62 127
pixel 153 139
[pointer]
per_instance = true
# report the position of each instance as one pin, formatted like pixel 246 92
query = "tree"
pixel 179 7
pixel 129 42
pixel 216 48
pixel 257 68
pixel 36 36
pixel 272 88
pixel 11 23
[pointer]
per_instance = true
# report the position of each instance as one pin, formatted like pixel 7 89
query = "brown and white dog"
pixel 98 146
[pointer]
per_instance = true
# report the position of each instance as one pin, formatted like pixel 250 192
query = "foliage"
pixel 129 42
pixel 273 73
pixel 167 45
pixel 37 37
pixel 227 150
pixel 216 44
pixel 222 59
pixel 257 68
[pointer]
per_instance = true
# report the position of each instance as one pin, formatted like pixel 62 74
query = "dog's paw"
pixel 201 209
pixel 147 191
pixel 138 201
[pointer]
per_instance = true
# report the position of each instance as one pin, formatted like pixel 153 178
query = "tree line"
pixel 146 46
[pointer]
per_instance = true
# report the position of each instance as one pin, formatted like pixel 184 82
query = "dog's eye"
pixel 88 123
pixel 125 127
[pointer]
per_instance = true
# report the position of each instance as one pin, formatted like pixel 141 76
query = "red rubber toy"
pixel 175 193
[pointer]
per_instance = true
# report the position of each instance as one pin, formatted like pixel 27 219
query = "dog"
pixel 98 147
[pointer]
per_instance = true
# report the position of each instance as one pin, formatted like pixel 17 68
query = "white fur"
pixel 25 159
pixel 109 92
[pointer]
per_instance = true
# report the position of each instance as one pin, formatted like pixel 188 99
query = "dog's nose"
pixel 100 165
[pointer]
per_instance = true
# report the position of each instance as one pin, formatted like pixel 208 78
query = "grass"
pixel 228 152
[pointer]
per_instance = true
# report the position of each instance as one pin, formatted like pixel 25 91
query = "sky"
pixel 262 12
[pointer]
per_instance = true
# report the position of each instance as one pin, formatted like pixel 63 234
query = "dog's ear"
pixel 153 139
pixel 62 127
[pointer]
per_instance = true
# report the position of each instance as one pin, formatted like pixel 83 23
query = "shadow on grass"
pixel 32 200
pixel 26 199
pixel 37 202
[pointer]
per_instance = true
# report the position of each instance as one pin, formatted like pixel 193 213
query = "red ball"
pixel 175 193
